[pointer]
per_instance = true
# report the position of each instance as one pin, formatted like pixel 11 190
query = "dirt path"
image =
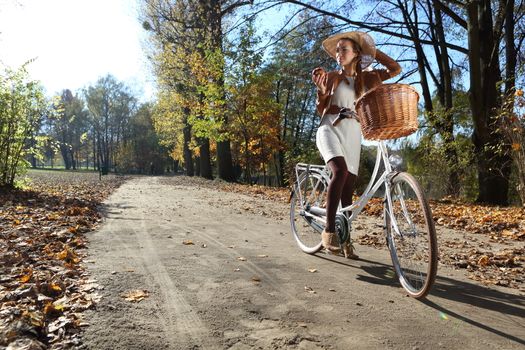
pixel 202 296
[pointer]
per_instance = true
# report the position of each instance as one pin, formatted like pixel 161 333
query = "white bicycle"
pixel 407 219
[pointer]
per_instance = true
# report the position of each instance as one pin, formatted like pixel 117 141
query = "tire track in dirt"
pixel 179 317
pixel 182 328
pixel 252 267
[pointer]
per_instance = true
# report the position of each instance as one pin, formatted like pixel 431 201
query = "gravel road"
pixel 244 284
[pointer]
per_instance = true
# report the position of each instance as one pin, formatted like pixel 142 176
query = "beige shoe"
pixel 348 250
pixel 330 241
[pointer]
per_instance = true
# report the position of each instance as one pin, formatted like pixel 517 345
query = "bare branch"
pixel 451 13
pixel 252 15
pixel 235 5
pixel 368 26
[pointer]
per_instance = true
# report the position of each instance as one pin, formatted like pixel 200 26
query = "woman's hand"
pixel 320 79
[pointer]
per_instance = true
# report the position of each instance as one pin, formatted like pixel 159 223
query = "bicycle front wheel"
pixel 411 236
pixel 309 191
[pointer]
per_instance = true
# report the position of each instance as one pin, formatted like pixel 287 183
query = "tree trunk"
pixel 205 161
pixel 224 156
pixel 510 49
pixel 247 171
pixel 279 155
pixel 197 166
pixel 188 161
pixel 73 160
pixel 65 156
pixel 420 54
pixel 445 94
pixel 224 161
pixel 510 86
pixel 492 157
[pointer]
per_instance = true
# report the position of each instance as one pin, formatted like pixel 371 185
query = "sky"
pixel 75 42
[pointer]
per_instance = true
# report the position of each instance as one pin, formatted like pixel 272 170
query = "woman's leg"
pixel 348 190
pixel 335 189
pixel 346 200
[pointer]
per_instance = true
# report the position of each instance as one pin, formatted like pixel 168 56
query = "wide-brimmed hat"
pixel 365 42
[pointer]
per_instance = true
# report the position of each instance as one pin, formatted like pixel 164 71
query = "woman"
pixel 339 141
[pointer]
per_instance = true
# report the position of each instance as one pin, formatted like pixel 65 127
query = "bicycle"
pixel 407 219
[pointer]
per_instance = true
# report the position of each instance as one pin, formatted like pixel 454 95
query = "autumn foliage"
pixel 44 286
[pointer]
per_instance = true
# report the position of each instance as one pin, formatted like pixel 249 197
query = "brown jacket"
pixel 371 78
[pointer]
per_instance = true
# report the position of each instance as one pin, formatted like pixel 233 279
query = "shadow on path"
pixel 452 289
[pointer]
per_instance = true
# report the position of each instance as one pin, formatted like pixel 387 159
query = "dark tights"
pixel 341 188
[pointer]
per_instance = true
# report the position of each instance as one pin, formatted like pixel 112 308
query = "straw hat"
pixel 365 41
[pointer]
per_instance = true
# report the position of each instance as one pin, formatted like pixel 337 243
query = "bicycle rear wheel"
pixel 309 191
pixel 413 243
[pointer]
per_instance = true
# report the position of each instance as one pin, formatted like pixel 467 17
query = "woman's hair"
pixel 356 63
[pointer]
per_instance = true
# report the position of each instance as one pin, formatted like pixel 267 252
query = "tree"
pixel 141 151
pixel 195 29
pixel 177 42
pixel 22 105
pixel 69 122
pixel 110 106
pixel 171 124
pixel 254 113
pixel 294 56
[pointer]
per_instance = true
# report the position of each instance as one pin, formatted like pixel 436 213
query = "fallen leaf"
pixel 55 287
pixel 312 270
pixel 61 322
pixel 135 295
pixel 309 289
pixel 52 310
pixel 262 256
pixel 241 258
pixel 35 318
pixel 27 276
pixel 483 260
pixel 256 279
pixel 188 242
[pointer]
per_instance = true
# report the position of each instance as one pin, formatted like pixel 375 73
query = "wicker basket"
pixel 388 111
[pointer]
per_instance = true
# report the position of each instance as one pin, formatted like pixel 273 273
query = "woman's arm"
pixel 320 79
pixel 392 67
pixel 321 102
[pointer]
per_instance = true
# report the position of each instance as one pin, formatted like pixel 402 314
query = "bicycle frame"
pixel 375 183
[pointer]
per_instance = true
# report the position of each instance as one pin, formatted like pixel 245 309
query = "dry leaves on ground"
pixel 497 222
pixel 44 287
pixel 484 262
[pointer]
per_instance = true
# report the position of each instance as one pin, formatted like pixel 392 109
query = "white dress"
pixel 345 138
